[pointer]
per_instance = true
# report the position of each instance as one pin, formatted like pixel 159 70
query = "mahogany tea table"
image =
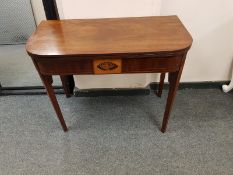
pixel 110 46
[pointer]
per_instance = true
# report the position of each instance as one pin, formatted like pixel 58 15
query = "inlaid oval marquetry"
pixel 107 66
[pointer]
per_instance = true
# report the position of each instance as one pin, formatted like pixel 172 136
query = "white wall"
pixel 211 24
pixel 108 8
pixel 38 10
pixel 105 9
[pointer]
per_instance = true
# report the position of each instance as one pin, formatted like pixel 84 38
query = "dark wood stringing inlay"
pixel 107 66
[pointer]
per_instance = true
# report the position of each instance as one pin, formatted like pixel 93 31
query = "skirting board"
pixel 110 92
pixel 146 90
pixel 39 90
pixel 28 90
pixel 194 85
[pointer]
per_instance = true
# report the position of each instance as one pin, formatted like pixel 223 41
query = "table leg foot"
pixel 47 80
pixel 163 130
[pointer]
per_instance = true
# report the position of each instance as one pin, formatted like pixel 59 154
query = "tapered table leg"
pixel 68 84
pixel 47 80
pixel 174 80
pixel 161 84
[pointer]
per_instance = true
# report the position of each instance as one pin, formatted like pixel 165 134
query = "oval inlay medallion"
pixel 107 66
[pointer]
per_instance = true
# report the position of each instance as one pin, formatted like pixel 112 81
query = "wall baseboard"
pixel 28 90
pixel 111 92
pixel 40 90
pixel 146 90
pixel 194 85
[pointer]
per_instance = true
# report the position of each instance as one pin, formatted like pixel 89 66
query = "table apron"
pixel 68 66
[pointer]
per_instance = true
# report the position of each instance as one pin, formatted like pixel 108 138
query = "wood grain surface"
pixel 110 46
pixel 109 36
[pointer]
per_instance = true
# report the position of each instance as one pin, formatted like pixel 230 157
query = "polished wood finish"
pixel 110 46
pixel 68 84
pixel 51 12
pixel 161 84
pixel 151 65
pixel 73 65
pixel 107 66
pixel 47 80
pixel 109 36
pixel 65 66
pixel 174 80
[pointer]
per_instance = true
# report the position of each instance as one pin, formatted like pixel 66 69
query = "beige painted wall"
pixel 104 9
pixel 210 22
pixel 108 8
pixel 38 10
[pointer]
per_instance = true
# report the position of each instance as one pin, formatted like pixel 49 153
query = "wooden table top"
pixel 109 36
